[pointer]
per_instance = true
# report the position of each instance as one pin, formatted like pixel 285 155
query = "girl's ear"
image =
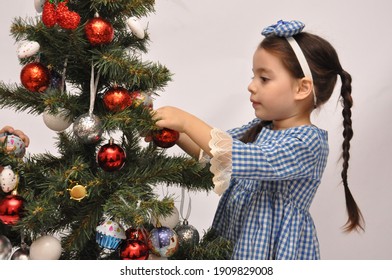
pixel 305 89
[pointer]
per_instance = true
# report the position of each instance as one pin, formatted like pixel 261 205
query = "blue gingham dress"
pixel 265 210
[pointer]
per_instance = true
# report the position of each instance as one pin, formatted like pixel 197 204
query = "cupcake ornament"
pixel 109 235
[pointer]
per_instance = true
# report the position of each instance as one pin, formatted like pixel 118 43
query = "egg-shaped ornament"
pixel 11 209
pixel 117 99
pixel 21 254
pixel 88 128
pixel 59 121
pixel 35 77
pixel 27 49
pixel 163 241
pixel 99 31
pixel 135 27
pixel 46 247
pixel 170 221
pixel 134 250
pixel 109 235
pixel 8 179
pixel 5 247
pixel 111 157
pixel 15 145
pixel 165 138
pixel 38 5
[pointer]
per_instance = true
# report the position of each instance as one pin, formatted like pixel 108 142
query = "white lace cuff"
pixel 221 144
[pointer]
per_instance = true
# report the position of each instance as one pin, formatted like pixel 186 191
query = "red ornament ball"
pixel 11 208
pixel 111 157
pixel 165 138
pixel 35 77
pixel 99 31
pixel 136 234
pixel 134 250
pixel 65 18
pixel 117 99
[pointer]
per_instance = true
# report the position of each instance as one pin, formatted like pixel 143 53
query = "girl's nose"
pixel 251 87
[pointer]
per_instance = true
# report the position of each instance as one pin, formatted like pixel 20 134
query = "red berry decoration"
pixel 165 138
pixel 134 250
pixel 117 99
pixel 65 18
pixel 99 31
pixel 11 208
pixel 35 77
pixel 111 157
pixel 49 15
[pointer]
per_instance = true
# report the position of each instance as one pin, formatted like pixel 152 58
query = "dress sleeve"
pixel 287 158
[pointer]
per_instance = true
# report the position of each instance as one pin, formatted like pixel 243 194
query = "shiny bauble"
pixel 135 27
pixel 117 99
pixel 165 138
pixel 134 250
pixel 38 5
pixel 21 254
pixel 46 247
pixel 15 145
pixel 109 235
pixel 56 80
pixel 141 98
pixel 35 77
pixel 65 18
pixel 8 179
pixel 59 121
pixel 111 157
pixel 136 234
pixel 170 221
pixel 5 247
pixel 88 128
pixel 163 241
pixel 187 235
pixel 11 209
pixel 99 31
pixel 28 49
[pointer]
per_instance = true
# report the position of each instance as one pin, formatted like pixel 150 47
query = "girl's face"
pixel 272 88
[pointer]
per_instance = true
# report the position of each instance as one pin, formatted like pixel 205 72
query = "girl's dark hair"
pixel 325 66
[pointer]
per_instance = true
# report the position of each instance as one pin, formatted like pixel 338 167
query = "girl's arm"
pixel 190 147
pixel 197 130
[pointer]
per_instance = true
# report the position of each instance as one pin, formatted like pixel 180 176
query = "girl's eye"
pixel 264 79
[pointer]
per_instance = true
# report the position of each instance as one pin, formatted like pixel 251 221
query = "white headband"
pixel 303 63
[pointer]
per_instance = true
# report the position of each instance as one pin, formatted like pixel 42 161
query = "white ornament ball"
pixel 170 221
pixel 5 247
pixel 57 122
pixel 136 28
pixel 38 5
pixel 28 49
pixel 8 179
pixel 45 247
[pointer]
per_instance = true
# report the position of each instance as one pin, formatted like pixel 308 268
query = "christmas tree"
pixel 82 70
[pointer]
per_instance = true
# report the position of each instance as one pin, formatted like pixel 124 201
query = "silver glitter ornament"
pixel 21 254
pixel 88 128
pixel 5 247
pixel 187 234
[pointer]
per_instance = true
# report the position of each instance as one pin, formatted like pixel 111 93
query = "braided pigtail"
pixel 355 218
pixel 251 134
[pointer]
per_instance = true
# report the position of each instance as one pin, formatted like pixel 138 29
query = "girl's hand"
pixel 171 117
pixel 19 133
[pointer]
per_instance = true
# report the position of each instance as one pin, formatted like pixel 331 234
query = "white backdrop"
pixel 208 45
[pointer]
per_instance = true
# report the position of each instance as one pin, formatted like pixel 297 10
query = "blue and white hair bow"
pixel 284 28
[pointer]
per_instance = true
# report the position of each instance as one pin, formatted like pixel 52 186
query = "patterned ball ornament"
pixel 165 138
pixel 117 99
pixel 15 145
pixel 111 157
pixel 8 179
pixel 35 77
pixel 163 241
pixel 99 31
pixel 11 209
pixel 134 250
pixel 5 247
pixel 187 234
pixel 142 98
pixel 21 254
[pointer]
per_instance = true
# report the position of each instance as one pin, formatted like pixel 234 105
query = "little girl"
pixel 268 171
